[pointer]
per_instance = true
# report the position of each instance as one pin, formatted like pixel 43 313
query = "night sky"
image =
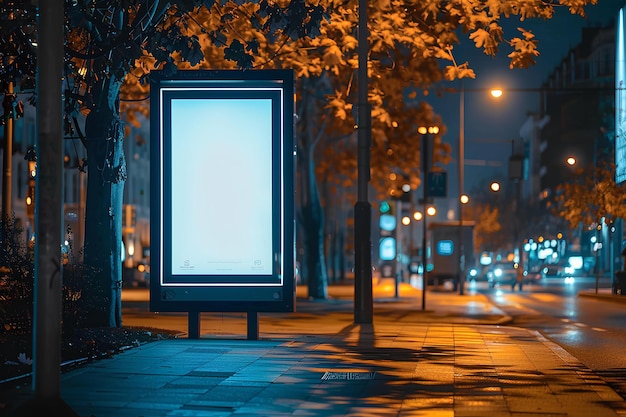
pixel 491 125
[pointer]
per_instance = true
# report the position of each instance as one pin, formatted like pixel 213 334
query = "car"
pixel 501 273
pixel 477 273
pixel 533 273
pixel 552 270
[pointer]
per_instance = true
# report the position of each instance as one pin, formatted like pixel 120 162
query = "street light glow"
pixel 464 199
pixel 496 92
pixel 495 186
pixel 433 130
pixel 431 211
pixel 571 161
pixel 418 215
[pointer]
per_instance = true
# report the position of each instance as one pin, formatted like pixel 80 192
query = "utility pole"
pixel 424 219
pixel 48 219
pixel 461 260
pixel 363 299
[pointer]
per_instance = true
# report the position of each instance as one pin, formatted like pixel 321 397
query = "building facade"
pixel 580 103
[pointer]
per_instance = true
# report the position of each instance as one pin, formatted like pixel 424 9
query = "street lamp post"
pixel 425 131
pixel 496 93
pixel 461 260
pixel 363 298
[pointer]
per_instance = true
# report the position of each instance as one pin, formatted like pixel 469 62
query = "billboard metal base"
pixel 193 325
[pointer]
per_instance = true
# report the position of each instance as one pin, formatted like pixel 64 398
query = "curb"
pixel 615 298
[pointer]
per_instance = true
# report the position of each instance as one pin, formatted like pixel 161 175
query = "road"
pixel 590 329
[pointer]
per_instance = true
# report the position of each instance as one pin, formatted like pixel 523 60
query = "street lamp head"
pixel 433 130
pixel 495 186
pixel 571 161
pixel 496 92
pixel 464 199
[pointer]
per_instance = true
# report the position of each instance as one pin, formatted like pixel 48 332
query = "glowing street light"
pixel 571 161
pixel 495 186
pixel 496 92
pixel 433 130
pixel 425 131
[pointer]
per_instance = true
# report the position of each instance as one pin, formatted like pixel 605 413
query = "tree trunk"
pixel 105 190
pixel 310 211
pixel 313 225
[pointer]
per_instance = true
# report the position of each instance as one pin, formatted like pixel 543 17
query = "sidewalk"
pixel 456 357
pixel 604 294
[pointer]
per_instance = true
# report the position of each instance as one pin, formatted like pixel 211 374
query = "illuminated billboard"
pixel 620 100
pixel 222 212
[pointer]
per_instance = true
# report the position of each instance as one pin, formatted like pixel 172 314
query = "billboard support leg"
pixel 253 325
pixel 193 324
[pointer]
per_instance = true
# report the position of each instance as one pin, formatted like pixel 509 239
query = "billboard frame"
pixel 262 278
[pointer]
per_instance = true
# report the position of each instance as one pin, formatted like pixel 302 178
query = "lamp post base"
pixel 363 298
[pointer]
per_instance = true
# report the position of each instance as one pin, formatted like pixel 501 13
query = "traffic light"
pixel 387 207
pixel 401 193
pixel 387 220
pixel 406 194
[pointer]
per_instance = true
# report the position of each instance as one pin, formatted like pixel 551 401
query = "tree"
pixel 112 43
pixel 592 198
pixel 106 40
pixel 105 45
pixel 408 42
pixel 487 228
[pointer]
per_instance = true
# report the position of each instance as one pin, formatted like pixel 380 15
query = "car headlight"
pixel 498 272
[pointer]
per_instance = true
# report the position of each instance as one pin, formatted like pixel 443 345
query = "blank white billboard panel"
pixel 222 191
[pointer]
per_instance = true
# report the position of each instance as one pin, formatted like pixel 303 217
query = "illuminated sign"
pixel 387 222
pixel 222 214
pixel 387 249
pixel 445 247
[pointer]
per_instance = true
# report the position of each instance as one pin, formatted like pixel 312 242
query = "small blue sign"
pixel 438 184
pixel 445 247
